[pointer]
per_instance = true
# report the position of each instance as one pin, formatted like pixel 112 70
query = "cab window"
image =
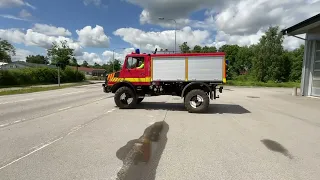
pixel 135 63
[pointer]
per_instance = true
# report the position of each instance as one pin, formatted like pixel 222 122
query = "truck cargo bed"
pixel 188 68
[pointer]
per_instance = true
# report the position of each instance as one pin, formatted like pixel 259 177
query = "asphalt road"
pixel 77 133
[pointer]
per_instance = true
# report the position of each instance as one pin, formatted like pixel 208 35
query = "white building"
pixel 310 79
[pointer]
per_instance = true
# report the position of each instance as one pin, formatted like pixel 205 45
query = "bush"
pixel 43 75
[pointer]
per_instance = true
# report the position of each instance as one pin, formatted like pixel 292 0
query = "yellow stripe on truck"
pixel 147 79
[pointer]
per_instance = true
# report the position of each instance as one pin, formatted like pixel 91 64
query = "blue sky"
pixel 74 14
pixel 32 25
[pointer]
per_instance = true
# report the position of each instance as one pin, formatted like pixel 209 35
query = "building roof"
pixel 30 64
pixel 303 27
pixel 87 69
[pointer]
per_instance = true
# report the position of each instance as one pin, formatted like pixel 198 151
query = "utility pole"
pixel 175 32
pixel 59 74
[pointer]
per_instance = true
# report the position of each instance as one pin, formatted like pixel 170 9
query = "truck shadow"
pixel 213 108
pixel 140 170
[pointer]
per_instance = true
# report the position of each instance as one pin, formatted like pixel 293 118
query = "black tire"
pixel 192 103
pixel 123 103
pixel 139 100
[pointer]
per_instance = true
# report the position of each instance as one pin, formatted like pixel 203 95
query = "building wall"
pixel 310 80
pixel 12 66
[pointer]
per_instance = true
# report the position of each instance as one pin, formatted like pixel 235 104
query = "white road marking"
pixel 2 125
pixel 16 101
pixel 7 124
pixel 65 108
pixel 73 93
pixel 38 148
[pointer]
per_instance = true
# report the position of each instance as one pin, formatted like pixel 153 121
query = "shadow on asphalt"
pixel 213 108
pixel 140 170
pixel 276 147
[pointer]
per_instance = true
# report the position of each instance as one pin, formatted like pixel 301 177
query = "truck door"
pixel 135 67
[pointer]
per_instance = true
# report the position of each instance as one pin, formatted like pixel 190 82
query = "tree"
pixel 60 54
pixel 6 51
pixel 197 49
pixel 117 65
pixel 296 57
pixel 96 65
pixel 85 64
pixel 231 55
pixel 212 49
pixel 268 61
pixel 38 59
pixel 184 48
pixel 74 62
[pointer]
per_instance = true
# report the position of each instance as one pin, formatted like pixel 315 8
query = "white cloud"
pixel 32 38
pixel 93 37
pixel 240 22
pixel 108 55
pixel 14 3
pixel 51 30
pixel 91 58
pixel 263 13
pixel 95 2
pixel 148 41
pixel 8 16
pixel 24 14
pixel 21 54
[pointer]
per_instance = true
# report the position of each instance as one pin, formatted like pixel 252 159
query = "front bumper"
pixel 106 89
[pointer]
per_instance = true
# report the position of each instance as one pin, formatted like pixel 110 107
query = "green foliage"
pixel 184 48
pixel 263 84
pixel 6 51
pixel 85 64
pixel 197 49
pixel 61 54
pixel 43 75
pixel 116 64
pixel 264 62
pixel 38 59
pixel 268 61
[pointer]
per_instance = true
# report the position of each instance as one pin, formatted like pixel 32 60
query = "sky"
pixel 94 28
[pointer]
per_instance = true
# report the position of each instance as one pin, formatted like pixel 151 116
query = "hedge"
pixel 42 75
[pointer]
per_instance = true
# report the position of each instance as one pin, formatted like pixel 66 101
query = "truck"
pixel 195 77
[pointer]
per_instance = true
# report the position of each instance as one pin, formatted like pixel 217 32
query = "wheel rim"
pixel 125 98
pixel 196 101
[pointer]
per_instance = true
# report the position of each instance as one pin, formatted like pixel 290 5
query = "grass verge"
pixel 262 84
pixel 39 88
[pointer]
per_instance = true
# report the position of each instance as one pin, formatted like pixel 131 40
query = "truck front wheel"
pixel 139 100
pixel 125 98
pixel 197 101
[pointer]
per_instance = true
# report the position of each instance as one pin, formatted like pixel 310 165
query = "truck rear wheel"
pixel 125 98
pixel 197 101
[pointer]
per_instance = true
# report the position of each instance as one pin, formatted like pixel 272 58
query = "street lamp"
pixel 175 31
pixel 113 57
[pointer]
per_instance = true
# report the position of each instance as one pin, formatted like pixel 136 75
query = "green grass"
pixel 38 89
pixel 262 84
